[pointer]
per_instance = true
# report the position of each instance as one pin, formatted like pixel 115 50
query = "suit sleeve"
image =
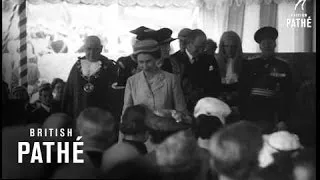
pixel 214 85
pixel 178 97
pixel 288 96
pixel 244 86
pixel 128 100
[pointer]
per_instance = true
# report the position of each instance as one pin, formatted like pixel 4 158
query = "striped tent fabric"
pixel 6 37
pixel 23 68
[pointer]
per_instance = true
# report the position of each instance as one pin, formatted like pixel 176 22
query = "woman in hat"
pixel 230 60
pixel 152 86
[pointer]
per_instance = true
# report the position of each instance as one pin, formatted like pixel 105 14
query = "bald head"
pixel 92 48
pixel 182 36
pixel 92 41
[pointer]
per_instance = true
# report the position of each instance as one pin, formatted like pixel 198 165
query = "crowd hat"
pixel 164 123
pixel 212 107
pixel 281 141
pixel 164 36
pixel 144 33
pixel 266 32
pixel 140 30
pixel 143 46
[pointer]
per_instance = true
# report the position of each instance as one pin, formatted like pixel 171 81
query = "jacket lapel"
pixel 143 85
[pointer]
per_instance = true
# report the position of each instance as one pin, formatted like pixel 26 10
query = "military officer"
pixel 265 84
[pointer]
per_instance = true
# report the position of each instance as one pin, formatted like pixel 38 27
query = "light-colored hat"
pixel 275 142
pixel 283 141
pixel 147 45
pixel 212 107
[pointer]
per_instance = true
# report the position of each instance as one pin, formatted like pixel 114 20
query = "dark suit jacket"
pixel 200 79
pixel 38 115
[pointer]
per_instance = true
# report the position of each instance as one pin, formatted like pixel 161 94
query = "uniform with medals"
pixel 266 87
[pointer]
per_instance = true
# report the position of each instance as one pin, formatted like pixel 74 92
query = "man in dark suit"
pixel 199 72
pixel 266 84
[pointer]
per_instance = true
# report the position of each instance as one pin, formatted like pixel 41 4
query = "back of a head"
pixel 57 121
pixel 178 153
pixel 210 45
pixel 133 120
pixel 11 169
pixel 305 165
pixel 97 128
pixel 235 149
pixel 207 125
pixel 133 169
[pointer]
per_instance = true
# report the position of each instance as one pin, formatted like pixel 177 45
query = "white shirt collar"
pixel 89 68
pixel 189 56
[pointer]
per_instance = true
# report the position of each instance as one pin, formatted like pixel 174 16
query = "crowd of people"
pixel 151 115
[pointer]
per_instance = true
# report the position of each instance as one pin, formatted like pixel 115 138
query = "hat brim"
pixel 146 50
pixel 169 40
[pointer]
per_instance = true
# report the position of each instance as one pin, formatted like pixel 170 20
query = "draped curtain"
pixel 213 16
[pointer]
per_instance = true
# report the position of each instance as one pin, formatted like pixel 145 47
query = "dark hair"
pixel 207 125
pixel 45 87
pixel 133 120
pixel 133 169
pixel 99 117
pixel 56 81
pixel 235 149
pixel 156 54
pixel 210 41
pixel 193 35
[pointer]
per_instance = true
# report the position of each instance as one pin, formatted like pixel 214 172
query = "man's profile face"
pixel 197 46
pixel 92 49
pixel 267 46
